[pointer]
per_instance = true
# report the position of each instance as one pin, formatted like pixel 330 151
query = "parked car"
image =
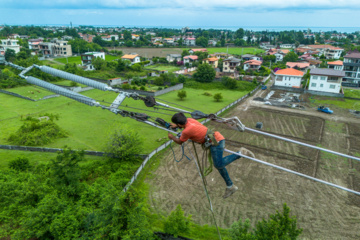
pixel 325 110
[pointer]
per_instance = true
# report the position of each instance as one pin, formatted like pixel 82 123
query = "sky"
pixel 181 13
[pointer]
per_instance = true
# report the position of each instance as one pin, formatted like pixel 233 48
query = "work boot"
pixel 230 191
pixel 246 152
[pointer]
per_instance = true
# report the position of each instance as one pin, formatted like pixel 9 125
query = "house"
pixel 230 64
pixel 212 42
pixel 173 57
pixel 110 37
pixel 46 48
pixel 2 58
pixel 62 48
pixel 189 41
pixel 135 37
pixel 156 39
pixel 302 66
pixel 252 65
pixel 314 63
pixel 247 57
pixel 169 41
pixel 287 45
pixel 34 44
pixel 336 65
pixel 88 57
pixel 132 57
pixel 220 55
pixel 87 37
pixel 10 44
pixel 212 61
pixel 192 51
pixel 326 80
pixel 190 59
pixel 352 67
pixel 288 77
pixel 330 52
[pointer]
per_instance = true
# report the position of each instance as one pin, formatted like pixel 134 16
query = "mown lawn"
pixel 236 50
pixel 77 59
pixel 89 127
pixel 339 102
pixel 161 67
pixel 353 93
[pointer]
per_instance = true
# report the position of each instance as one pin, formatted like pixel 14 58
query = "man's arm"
pixel 172 137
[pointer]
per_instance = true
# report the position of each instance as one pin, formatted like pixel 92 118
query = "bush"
pixel 229 83
pixel 207 94
pixel 125 86
pixel 181 94
pixel 20 164
pixel 177 223
pixel 143 88
pixel 35 132
pixel 218 97
pixel 160 88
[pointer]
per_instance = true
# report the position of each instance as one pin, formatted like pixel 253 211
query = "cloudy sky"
pixel 179 13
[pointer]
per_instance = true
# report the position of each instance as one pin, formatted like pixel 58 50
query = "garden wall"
pixel 16 95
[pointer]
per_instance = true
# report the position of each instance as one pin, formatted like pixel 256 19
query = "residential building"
pixel 212 61
pixel 288 77
pixel 220 55
pixel 302 66
pixel 212 42
pixel 190 59
pixel 156 39
pixel 109 38
pixel 132 57
pixel 46 48
pixel 336 65
pixel 330 52
pixel 87 37
pixel 287 45
pixel 252 65
pixel 326 80
pixel 247 57
pixel 352 67
pixel 34 44
pixel 61 48
pixel 88 57
pixel 173 57
pixel 230 64
pixel 189 41
pixel 10 44
pixel 135 37
pixel 169 41
pixel 192 51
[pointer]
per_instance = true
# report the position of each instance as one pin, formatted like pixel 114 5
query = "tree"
pixel 124 144
pixel 127 35
pixel 185 53
pixel 121 65
pixel 205 73
pixel 239 33
pixel 10 55
pixel 229 82
pixel 279 226
pixel 181 94
pixel 177 222
pixel 291 57
pixel 218 97
pixel 202 41
pixel 98 63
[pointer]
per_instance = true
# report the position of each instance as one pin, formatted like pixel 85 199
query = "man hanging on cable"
pixel 197 132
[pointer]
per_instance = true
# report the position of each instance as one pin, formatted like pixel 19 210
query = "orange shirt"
pixel 196 132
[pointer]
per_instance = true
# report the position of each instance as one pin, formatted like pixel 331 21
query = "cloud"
pixel 181 4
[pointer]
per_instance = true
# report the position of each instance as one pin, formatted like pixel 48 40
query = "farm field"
pixel 320 209
pixel 236 50
pixel 161 67
pixel 88 127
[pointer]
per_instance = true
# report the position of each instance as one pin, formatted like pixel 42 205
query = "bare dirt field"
pixel 324 212
pixel 150 52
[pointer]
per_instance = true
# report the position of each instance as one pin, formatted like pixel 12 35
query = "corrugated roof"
pixel 327 72
pixel 290 72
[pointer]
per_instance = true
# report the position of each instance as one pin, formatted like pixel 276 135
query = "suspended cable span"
pixel 175 104
pixel 296 173
pixel 75 78
pixel 165 105
pixel 303 144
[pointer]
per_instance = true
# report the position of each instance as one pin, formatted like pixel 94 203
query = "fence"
pixel 162 147
pixel 16 95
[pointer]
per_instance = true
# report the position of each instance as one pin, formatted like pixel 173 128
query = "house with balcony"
pixel 212 61
pixel 252 65
pixel 336 65
pixel 330 52
pixel 87 59
pixel 34 44
pixel 325 80
pixel 189 41
pixel 10 44
pixel 230 64
pixel 132 57
pixel 190 59
pixel 169 41
pixel 288 77
pixel 352 68
pixel 46 48
pixel 173 57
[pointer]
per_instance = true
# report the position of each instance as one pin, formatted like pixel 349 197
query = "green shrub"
pixel 20 164
pixel 177 223
pixel 125 86
pixel 207 94
pixel 181 94
pixel 218 97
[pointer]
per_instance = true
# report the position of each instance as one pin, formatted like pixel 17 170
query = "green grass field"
pixel 161 67
pixel 339 102
pixel 353 93
pixel 89 127
pixel 236 50
pixel 77 59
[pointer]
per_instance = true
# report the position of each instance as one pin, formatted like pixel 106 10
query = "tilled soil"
pixel 324 212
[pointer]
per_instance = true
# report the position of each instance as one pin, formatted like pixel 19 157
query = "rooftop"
pixel 327 72
pixel 128 56
pixel 297 64
pixel 254 62
pixel 289 71
pixel 339 63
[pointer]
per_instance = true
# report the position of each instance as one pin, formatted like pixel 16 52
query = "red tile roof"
pixel 297 64
pixel 198 49
pixel 289 71
pixel 339 63
pixel 254 62
pixel 193 57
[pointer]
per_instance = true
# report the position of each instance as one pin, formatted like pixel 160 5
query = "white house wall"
pixel 287 81
pixel 320 83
